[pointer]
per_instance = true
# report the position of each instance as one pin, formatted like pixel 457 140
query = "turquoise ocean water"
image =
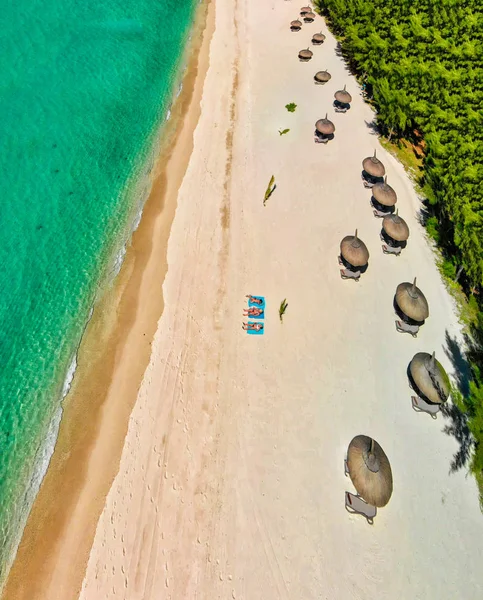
pixel 84 87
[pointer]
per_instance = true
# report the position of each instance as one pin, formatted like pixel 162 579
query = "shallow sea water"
pixel 84 87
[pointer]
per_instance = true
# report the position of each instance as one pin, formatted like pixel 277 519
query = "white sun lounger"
pixel 367 184
pixel 348 274
pixel 340 110
pixel 420 405
pixel 379 214
pixel 391 250
pixel 356 505
pixel 403 327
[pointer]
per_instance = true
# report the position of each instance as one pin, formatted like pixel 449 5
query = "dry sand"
pixel 231 481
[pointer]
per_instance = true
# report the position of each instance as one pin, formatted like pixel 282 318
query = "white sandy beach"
pixel 231 482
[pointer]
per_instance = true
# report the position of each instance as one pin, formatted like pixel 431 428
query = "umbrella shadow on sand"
pixel 457 420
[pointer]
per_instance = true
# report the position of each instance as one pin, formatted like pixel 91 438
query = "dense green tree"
pixel 423 66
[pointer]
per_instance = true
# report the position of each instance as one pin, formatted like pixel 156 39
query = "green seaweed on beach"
pixel 282 309
pixel 270 189
pixel 291 107
pixel 283 131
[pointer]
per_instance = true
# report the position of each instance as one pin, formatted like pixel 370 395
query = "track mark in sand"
pixel 269 550
pixel 225 209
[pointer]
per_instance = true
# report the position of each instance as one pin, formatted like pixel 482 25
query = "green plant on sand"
pixel 283 131
pixel 282 309
pixel 291 107
pixel 270 189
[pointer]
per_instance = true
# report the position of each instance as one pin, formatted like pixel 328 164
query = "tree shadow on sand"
pixel 373 127
pixel 349 64
pixel 457 420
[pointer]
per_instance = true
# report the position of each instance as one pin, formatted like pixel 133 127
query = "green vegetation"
pixel 421 66
pixel 291 107
pixel 270 189
pixel 282 309
pixel 283 131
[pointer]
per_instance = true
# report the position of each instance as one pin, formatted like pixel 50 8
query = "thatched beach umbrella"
pixel 309 17
pixel 322 76
pixel 373 166
pixel 369 470
pixel 354 251
pixel 411 301
pixel 304 10
pixel 318 38
pixel 305 54
pixel 296 25
pixel 395 227
pixel 324 126
pixel 430 377
pixel 343 96
pixel 384 194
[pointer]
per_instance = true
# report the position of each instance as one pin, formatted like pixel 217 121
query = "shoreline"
pixel 112 358
pixel 231 482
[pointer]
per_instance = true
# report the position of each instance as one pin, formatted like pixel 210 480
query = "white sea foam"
pixel 118 260
pixel 70 374
pixel 40 465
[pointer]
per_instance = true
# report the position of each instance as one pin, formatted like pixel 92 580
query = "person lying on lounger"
pixel 252 311
pixel 252 326
pixel 254 299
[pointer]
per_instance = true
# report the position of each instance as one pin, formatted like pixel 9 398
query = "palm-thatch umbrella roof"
pixel 343 96
pixel 354 251
pixel 369 470
pixel 296 24
pixel 384 193
pixel 324 126
pixel 310 16
pixel 395 227
pixel 318 38
pixel 430 377
pixel 322 76
pixel 373 166
pixel 305 9
pixel 411 301
pixel 306 54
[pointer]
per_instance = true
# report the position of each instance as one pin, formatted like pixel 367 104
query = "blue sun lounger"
pixel 253 331
pixel 262 305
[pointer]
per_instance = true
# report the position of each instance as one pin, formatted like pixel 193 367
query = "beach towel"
pixel 262 305
pixel 253 331
pixel 261 316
